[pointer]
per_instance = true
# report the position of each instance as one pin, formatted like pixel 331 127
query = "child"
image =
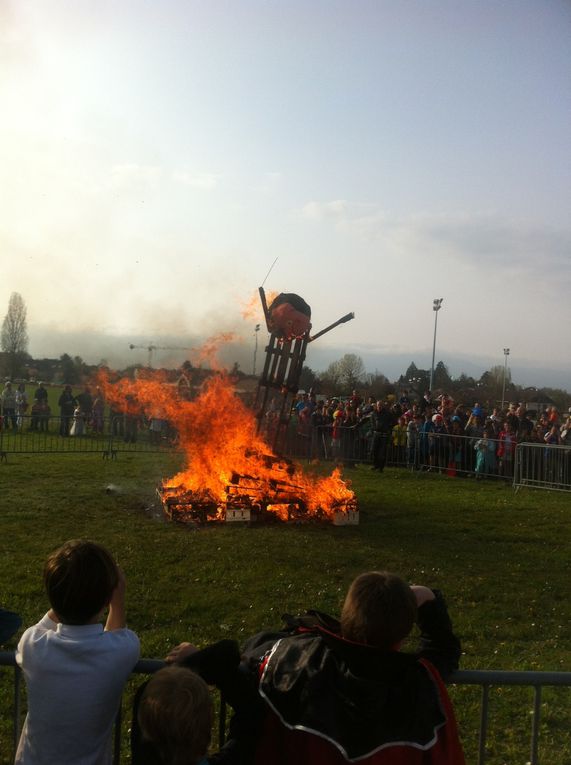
pixel 74 669
pixel 340 692
pixel 175 715
pixel 506 449
pixel 485 454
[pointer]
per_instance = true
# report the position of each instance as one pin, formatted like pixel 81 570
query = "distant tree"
pixel 351 371
pixel 308 379
pixel 465 381
pixel 330 379
pixel 14 338
pixel 70 371
pixel 415 380
pixel 496 376
pixel 442 378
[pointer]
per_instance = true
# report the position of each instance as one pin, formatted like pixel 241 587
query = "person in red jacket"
pixel 338 692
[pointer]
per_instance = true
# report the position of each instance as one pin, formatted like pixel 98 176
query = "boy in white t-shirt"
pixel 75 669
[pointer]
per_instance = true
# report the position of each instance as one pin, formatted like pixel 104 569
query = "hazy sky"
pixel 156 157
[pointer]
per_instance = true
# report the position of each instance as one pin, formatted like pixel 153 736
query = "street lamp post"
pixel 436 305
pixel 256 330
pixel 506 354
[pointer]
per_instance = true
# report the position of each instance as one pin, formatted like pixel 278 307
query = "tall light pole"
pixel 506 354
pixel 436 304
pixel 256 330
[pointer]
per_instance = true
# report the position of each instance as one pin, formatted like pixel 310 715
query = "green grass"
pixel 500 558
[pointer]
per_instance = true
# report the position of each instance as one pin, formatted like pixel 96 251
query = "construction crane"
pixel 151 348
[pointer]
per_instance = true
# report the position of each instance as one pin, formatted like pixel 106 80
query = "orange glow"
pixel 227 462
pixel 252 310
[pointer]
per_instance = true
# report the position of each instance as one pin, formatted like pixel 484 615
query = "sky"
pixel 156 158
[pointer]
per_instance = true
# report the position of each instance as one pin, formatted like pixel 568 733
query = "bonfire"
pixel 230 472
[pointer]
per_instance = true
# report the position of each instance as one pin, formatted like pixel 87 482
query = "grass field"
pixel 500 558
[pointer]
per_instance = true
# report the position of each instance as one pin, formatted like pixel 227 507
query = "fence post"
pixel 483 724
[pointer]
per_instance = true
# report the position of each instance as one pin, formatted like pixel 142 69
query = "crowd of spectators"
pixel 81 413
pixel 432 433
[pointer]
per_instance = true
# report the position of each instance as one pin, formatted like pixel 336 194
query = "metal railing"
pixel 525 464
pixel 450 453
pixel 484 678
pixel 543 466
pixel 53 435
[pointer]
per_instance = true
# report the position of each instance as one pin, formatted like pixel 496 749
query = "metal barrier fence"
pixel 52 435
pixel 453 454
pixel 527 464
pixel 543 466
pixel 484 678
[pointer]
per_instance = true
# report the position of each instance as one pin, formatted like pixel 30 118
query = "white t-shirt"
pixel 74 678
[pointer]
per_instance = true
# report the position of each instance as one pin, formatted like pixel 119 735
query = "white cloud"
pixel 335 210
pixel 205 181
pixel 131 175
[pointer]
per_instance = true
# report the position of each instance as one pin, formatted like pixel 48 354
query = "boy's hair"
pixel 175 715
pixel 379 609
pixel 80 578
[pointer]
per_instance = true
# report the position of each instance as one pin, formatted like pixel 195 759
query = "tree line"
pixel 348 373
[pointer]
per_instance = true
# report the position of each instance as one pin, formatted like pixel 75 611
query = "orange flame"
pixel 252 309
pixel 225 456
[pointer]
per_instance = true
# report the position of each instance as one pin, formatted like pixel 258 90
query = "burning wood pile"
pixel 249 498
pixel 231 472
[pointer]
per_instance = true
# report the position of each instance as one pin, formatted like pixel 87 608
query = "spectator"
pixel 98 411
pixel 44 416
pixel 425 435
pixel 116 420
pixel 41 393
pixel 132 419
pixel 67 404
pixel 336 431
pixel 78 424
pixel 85 401
pixel 340 691
pixel 382 422
pixel 412 431
pixel 21 404
pixel 74 669
pixel 399 436
pixel 438 444
pixel 173 711
pixel 485 454
pixel 35 415
pixel 456 444
pixel 8 399
pixel 404 401
pixel 318 421
pixel 506 449
pixel 175 718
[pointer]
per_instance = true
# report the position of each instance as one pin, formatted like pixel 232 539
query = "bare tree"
pixel 351 371
pixel 14 338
